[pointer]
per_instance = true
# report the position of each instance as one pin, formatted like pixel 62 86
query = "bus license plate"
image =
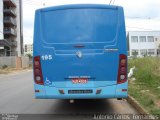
pixel 79 80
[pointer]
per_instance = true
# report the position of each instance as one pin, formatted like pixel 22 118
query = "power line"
pixel 139 28
pixel 146 18
pixel 30 2
pixel 113 1
pixel 110 2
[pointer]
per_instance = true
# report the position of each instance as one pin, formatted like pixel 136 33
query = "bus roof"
pixel 75 6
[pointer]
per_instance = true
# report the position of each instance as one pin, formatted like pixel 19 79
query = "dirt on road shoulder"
pixel 13 70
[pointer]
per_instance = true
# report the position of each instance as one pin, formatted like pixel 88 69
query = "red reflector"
pixel 37 90
pixel 61 91
pixel 98 91
pixel 124 90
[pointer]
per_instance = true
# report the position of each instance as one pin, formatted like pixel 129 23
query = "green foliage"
pixel 4 66
pixel 155 111
pixel 29 55
pixel 147 74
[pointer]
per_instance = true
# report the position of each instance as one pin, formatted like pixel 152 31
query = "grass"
pixel 145 89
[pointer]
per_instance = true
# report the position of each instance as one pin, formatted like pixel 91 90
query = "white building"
pixel 11 29
pixel 143 43
pixel 28 49
pixel 1 20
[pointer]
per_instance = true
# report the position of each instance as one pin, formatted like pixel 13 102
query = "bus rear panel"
pixel 80 52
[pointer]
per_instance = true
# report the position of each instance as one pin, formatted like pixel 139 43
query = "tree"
pixel 29 55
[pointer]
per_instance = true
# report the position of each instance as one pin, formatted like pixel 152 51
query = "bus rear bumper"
pixel 114 91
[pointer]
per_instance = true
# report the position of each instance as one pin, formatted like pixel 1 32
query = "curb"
pixel 136 105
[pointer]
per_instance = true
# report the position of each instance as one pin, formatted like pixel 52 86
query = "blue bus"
pixel 80 52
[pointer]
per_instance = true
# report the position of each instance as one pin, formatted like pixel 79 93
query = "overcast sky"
pixel 139 14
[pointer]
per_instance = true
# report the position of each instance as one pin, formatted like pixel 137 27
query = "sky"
pixel 141 15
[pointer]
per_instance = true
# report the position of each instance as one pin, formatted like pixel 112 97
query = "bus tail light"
pixel 122 70
pixel 38 77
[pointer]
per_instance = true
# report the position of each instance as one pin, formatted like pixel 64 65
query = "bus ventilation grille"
pixel 80 91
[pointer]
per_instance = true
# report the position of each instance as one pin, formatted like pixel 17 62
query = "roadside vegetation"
pixel 7 70
pixel 144 85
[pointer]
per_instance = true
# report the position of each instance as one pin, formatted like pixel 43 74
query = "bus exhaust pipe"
pixel 71 101
pixel 119 98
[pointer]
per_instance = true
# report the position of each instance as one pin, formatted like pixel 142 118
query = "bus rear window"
pixel 79 25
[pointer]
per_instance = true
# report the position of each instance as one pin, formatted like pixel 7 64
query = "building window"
pixel 151 51
pixel 142 38
pixel 143 52
pixel 134 52
pixel 156 39
pixel 134 38
pixel 150 39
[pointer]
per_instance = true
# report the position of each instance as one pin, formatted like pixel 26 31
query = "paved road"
pixel 17 97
